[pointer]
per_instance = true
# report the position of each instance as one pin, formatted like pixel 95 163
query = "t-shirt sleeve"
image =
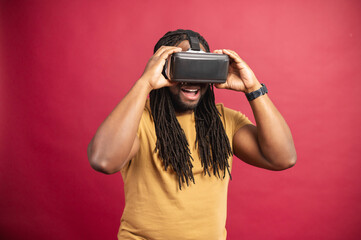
pixel 233 120
pixel 240 120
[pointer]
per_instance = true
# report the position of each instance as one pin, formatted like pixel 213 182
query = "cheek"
pixel 173 90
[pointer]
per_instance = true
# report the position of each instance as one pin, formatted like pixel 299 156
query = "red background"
pixel 64 65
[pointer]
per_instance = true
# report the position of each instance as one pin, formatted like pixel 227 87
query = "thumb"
pixel 220 85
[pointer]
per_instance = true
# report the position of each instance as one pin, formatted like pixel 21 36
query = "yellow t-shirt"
pixel 155 207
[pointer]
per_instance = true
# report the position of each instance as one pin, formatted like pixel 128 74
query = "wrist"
pixel 255 87
pixel 257 93
pixel 145 84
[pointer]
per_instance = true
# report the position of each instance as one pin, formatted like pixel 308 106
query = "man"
pixel 175 150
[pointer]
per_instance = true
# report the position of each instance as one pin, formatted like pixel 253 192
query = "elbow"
pixel 290 163
pixel 102 162
pixel 293 161
pixel 287 163
pixel 102 165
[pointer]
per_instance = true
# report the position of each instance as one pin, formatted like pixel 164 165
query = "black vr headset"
pixel 197 66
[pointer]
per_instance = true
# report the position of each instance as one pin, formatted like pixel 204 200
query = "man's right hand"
pixel 153 71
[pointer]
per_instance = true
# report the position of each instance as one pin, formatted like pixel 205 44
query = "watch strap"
pixel 255 94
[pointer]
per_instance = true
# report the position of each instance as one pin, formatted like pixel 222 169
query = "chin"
pixel 180 106
pixel 183 105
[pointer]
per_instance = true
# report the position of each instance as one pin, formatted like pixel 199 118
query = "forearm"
pixel 273 134
pixel 270 144
pixel 109 149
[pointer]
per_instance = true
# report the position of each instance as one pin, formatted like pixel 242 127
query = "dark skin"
pixel 268 145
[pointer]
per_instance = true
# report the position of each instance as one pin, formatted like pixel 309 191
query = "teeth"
pixel 190 90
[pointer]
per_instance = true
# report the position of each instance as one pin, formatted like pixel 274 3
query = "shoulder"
pixel 227 112
pixel 232 118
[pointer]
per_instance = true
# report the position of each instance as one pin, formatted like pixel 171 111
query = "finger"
pixel 220 85
pixel 234 57
pixel 170 51
pixel 218 51
pixel 243 63
pixel 162 49
pixel 233 52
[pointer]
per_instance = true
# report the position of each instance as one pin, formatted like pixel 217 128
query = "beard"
pixel 181 106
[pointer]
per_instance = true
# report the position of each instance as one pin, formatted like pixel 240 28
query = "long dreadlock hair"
pixel 213 145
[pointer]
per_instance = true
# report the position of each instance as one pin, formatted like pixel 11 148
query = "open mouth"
pixel 191 92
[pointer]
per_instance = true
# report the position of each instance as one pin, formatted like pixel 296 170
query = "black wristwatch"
pixel 255 94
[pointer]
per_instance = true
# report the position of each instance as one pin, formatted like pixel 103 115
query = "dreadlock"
pixel 172 146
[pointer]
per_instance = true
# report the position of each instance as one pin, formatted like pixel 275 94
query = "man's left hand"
pixel 240 76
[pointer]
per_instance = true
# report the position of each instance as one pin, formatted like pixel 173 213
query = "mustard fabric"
pixel 155 207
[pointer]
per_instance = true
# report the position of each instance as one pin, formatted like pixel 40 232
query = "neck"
pixel 177 113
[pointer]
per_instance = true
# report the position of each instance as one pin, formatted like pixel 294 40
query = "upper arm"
pixel 247 148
